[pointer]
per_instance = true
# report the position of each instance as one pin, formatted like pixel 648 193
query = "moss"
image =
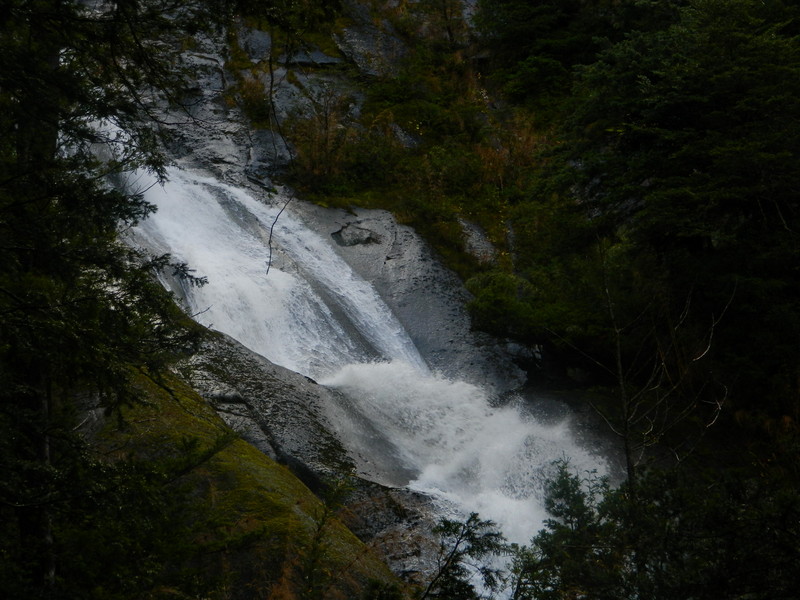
pixel 324 41
pixel 237 59
pixel 249 521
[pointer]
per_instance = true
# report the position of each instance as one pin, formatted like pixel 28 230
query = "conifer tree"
pixel 79 311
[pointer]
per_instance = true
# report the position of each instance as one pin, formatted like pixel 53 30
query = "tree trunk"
pixel 34 518
pixel 39 94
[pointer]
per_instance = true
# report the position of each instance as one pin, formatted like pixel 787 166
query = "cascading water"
pixel 311 313
pixel 470 456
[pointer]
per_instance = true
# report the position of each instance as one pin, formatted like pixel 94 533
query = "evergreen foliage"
pixel 466 551
pixel 671 536
pixel 681 148
pixel 535 44
pixel 82 314
pixel 100 498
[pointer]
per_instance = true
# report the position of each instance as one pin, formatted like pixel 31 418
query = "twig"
pixel 272 228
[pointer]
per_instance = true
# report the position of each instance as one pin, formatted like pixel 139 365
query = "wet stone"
pixel 353 235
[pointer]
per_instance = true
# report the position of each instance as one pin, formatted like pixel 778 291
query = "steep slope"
pixel 249 527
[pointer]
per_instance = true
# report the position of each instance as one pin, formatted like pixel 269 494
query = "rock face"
pixel 310 58
pixel 477 244
pixel 396 524
pixel 353 234
pixel 277 410
pixel 283 414
pixel 213 135
pixel 371 44
pixel 269 154
pixel 256 44
pixel 428 299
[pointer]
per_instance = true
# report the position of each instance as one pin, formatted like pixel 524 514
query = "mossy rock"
pixel 254 528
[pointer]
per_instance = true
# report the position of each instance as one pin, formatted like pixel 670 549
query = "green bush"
pixel 502 305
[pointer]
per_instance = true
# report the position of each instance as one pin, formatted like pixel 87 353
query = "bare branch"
pixel 715 322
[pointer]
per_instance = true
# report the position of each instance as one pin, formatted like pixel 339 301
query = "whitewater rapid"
pixel 301 306
pixel 465 453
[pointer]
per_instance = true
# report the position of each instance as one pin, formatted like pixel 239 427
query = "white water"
pixel 314 315
pixel 469 455
pixel 311 313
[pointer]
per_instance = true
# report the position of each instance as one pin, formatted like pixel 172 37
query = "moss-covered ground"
pixel 250 527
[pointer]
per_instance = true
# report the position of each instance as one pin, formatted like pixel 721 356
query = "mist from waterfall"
pixel 310 312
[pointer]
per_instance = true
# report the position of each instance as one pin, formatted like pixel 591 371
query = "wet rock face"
pixel 282 414
pixel 353 234
pixel 277 410
pixel 428 299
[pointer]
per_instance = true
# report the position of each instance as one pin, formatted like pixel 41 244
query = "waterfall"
pixel 310 313
pixel 468 455
pixel 313 314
